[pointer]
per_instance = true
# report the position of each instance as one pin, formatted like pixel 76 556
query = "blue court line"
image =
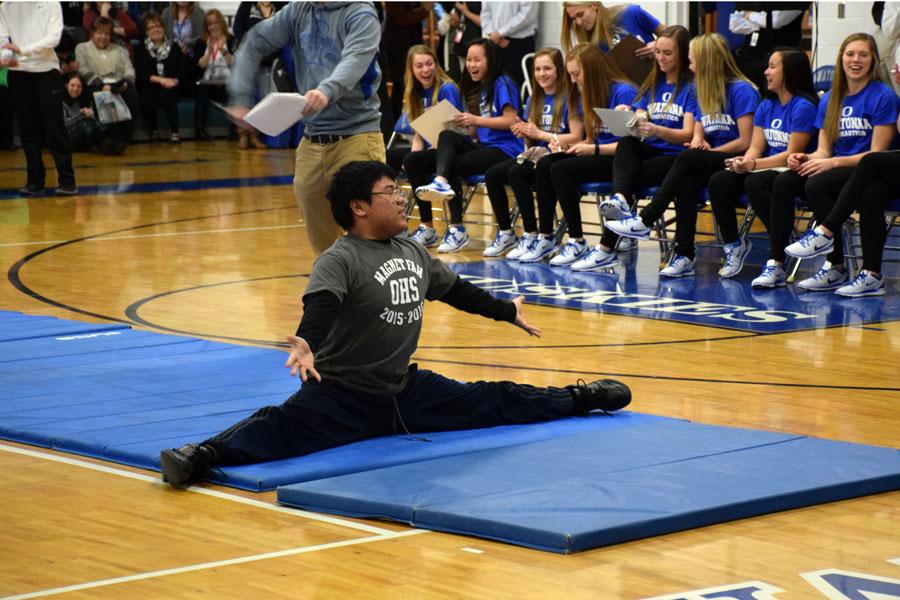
pixel 148 163
pixel 163 186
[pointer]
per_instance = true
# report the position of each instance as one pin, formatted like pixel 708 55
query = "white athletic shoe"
pixel 631 227
pixel 502 242
pixel 426 236
pixel 572 251
pixel 539 249
pixel 596 260
pixel 679 266
pixel 455 239
pixel 615 208
pixel 772 276
pixel 735 255
pixel 626 245
pixel 826 278
pixel 811 244
pixel 864 284
pixel 524 245
pixel 436 191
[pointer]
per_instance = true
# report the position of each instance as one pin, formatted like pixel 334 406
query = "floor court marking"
pixel 153 235
pixel 213 565
pixel 378 531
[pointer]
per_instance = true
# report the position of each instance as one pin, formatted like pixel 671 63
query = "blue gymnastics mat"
pixel 123 395
pixel 640 479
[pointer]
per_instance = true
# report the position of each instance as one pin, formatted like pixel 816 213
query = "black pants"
pixel 874 183
pixel 205 93
pixel 396 154
pixel 566 175
pixel 152 98
pixel 821 191
pixel 322 415
pixel 690 172
pixel 637 163
pixel 6 118
pixel 37 98
pixel 456 155
pixel 520 178
pixel 512 55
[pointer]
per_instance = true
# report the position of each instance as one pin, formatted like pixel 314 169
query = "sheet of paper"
pixel 435 120
pixel 276 112
pixel 779 169
pixel 616 121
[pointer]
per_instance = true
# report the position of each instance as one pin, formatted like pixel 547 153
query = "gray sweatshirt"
pixel 334 46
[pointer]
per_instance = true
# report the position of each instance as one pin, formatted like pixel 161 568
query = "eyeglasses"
pixel 399 193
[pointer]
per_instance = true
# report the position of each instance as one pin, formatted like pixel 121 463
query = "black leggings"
pixel 638 162
pixel 821 191
pixel 520 178
pixel 689 173
pixel 566 175
pixel 874 184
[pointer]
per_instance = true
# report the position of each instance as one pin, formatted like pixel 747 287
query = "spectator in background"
pixel 511 25
pixel 124 29
pixel 32 30
pixel 105 66
pixel 160 67
pixel 889 40
pixel 6 118
pixel 216 51
pixel 184 22
pixel 402 31
pixel 465 26
pixel 85 131
pixel 759 42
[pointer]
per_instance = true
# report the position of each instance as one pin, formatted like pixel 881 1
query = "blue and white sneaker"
pixel 632 227
pixel 864 284
pixel 679 266
pixel 436 191
pixel 502 242
pixel 524 245
pixel 596 260
pixel 811 244
pixel 455 239
pixel 626 245
pixel 735 255
pixel 826 278
pixel 541 248
pixel 426 236
pixel 572 251
pixel 772 276
pixel 615 208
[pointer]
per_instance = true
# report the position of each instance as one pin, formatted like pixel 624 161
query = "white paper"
pixel 276 112
pixel 617 121
pixel 435 120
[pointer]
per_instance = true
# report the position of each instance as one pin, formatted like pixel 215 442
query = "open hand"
pixel 301 360
pixel 520 318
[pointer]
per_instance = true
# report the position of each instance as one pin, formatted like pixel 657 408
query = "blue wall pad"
pixel 594 489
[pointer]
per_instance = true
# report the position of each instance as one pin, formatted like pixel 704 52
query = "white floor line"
pixel 152 235
pixel 213 565
pixel 198 490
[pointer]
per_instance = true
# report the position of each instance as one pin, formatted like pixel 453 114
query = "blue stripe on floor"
pixel 164 186
pixel 147 163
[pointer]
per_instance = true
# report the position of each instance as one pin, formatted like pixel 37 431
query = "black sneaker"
pixel 66 190
pixel 183 466
pixel 604 394
pixel 32 190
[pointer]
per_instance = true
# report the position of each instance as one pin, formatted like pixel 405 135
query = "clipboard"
pixel 622 55
pixel 436 119
pixel 276 112
pixel 617 122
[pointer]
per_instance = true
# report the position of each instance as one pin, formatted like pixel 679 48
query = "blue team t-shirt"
pixel 875 104
pixel 778 121
pixel 546 121
pixel 666 114
pixel 741 98
pixel 635 21
pixel 505 92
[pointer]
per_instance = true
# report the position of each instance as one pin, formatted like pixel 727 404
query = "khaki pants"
pixel 314 167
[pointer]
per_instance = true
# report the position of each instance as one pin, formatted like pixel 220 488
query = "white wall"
pixel 832 29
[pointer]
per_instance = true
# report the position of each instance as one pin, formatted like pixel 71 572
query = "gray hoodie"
pixel 334 46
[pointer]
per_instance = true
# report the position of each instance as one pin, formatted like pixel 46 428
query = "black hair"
pixel 354 181
pixel 797 72
pixel 471 90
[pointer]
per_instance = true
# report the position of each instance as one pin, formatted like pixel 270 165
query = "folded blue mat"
pixel 18 326
pixel 589 490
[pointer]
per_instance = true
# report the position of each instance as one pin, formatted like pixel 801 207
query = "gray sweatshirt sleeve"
pixel 360 45
pixel 263 39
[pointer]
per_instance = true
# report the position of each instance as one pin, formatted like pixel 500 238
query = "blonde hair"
pixel 412 94
pixel 839 83
pixel 598 74
pixel 603 28
pixel 539 97
pixel 714 69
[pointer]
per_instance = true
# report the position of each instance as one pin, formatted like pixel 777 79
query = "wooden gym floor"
pixel 209 256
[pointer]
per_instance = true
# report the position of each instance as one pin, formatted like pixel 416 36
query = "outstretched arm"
pixel 319 312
